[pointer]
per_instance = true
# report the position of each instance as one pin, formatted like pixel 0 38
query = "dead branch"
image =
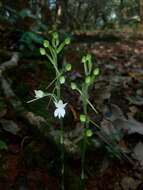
pixel 32 120
pixel 13 62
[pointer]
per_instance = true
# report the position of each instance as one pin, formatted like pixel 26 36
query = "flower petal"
pixel 59 115
pixel 60 102
pixel 62 113
pixel 64 105
pixel 56 113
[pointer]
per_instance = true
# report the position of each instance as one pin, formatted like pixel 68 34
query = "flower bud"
pixel 62 79
pixel 46 43
pixel 83 59
pixel 96 71
pixel 42 51
pixel 82 118
pixel 55 40
pixel 89 133
pixel 68 67
pixel 55 35
pixel 67 41
pixel 88 57
pixel 73 86
pixel 88 80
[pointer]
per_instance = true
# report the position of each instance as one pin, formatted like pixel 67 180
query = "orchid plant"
pixel 90 75
pixel 51 51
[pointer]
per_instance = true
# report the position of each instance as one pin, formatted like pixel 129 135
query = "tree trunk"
pixel 141 10
pixel 121 11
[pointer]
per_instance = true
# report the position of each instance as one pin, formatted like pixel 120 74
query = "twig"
pixel 13 62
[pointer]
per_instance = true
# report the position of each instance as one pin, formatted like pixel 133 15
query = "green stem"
pixel 56 78
pixel 55 63
pixel 85 69
pixel 58 88
pixel 61 141
pixel 86 99
pixel 58 85
pixel 84 145
pixel 62 153
pixel 83 156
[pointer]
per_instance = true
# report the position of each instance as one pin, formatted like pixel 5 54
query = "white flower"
pixel 39 94
pixel 60 109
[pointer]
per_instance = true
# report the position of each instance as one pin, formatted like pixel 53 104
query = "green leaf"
pixel 26 13
pixel 3 145
pixel 30 39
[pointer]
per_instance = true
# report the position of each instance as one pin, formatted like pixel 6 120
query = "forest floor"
pixel 30 163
